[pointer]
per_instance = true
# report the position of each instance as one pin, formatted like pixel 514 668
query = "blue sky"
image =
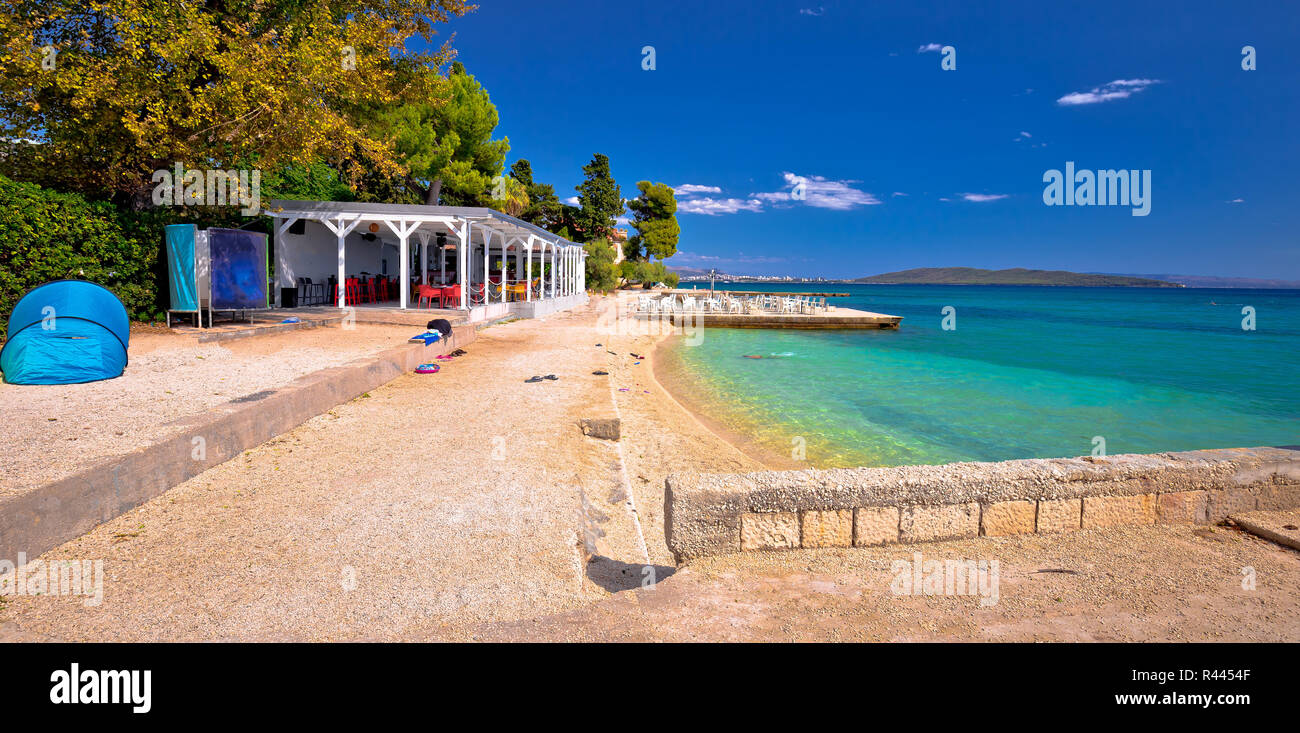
pixel 906 164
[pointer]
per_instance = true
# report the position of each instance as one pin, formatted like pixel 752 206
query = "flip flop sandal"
pixel 532 380
pixel 551 377
pixel 600 373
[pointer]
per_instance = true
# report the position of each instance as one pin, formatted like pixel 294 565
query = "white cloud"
pixel 929 48
pixel 818 11
pixel 572 201
pixel 982 197
pixel 690 188
pixel 712 206
pixel 1024 134
pixel 899 193
pixel 820 192
pixel 1108 92
pixel 1237 201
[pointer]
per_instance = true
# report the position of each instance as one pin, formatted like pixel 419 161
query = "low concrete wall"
pixel 539 308
pixel 47 516
pixel 712 514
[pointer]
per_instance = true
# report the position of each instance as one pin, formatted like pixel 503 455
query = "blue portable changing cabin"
pixel 66 332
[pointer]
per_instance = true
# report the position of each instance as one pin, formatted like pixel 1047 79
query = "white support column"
pixel 404 286
pixel 528 268
pixel 342 230
pixel 342 287
pixel 403 230
pixel 464 235
pixel 487 251
pixel 568 271
pixel 519 257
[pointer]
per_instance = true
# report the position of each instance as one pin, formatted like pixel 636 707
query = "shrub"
pixel 602 274
pixel 46 235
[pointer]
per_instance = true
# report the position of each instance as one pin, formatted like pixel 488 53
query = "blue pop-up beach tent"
pixel 66 332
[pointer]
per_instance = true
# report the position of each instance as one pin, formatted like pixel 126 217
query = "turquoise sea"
pixel 1028 372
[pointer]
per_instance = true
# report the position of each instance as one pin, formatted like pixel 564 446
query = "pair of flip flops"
pixel 535 379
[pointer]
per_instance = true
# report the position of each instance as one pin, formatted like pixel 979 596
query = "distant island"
pixel 1214 281
pixel 1013 276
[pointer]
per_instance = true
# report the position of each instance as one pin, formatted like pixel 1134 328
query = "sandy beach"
pixel 469 505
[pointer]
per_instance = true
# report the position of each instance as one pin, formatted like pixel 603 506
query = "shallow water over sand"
pixel 1028 372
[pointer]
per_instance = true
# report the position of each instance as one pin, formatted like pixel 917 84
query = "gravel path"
pixel 51 431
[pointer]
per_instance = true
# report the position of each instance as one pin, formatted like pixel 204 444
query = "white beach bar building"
pixel 476 260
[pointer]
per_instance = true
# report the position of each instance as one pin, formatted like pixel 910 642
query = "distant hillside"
pixel 1211 281
pixel 688 271
pixel 1014 276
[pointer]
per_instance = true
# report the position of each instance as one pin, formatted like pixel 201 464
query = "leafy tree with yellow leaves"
pixel 95 95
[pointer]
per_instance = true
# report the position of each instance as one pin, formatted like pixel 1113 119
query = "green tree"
pixel 600 199
pixel 94 97
pixel 315 181
pixel 654 216
pixel 544 206
pixel 602 273
pixel 514 199
pixel 446 145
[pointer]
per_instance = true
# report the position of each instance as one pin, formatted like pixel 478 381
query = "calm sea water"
pixel 1028 372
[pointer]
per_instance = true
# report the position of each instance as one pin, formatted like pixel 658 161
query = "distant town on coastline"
pixel 1011 276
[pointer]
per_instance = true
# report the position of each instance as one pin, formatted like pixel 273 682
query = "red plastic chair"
pixel 351 292
pixel 449 293
pixel 429 293
pixel 381 289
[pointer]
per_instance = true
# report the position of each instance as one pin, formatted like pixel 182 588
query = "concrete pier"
pixel 840 318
